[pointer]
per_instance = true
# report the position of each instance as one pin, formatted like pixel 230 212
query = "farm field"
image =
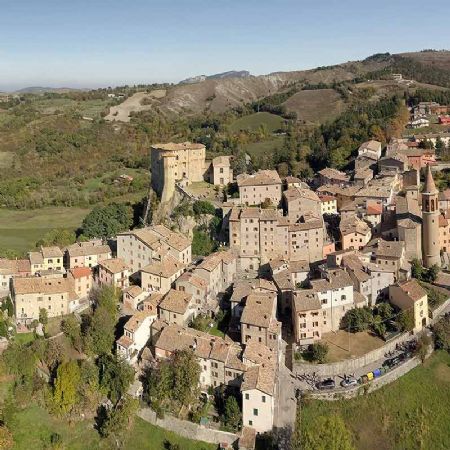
pixel 411 413
pixel 315 106
pixel 252 122
pixel 263 147
pixel 19 230
pixel 88 108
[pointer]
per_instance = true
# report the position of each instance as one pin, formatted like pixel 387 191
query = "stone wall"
pixel 348 365
pixel 438 311
pixel 188 429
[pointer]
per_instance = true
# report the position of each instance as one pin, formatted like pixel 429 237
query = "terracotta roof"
pixel 374 209
pixel 15 266
pixel 297 193
pixel 36 258
pixel 166 268
pixel 390 249
pixel 260 178
pixel 176 301
pixel 258 309
pixel 124 341
pixel 261 378
pixel 258 353
pixel 305 300
pixel 413 289
pixel 133 291
pixel 114 265
pixel 354 225
pixel 81 272
pixel 190 277
pixel 183 146
pixel 136 320
pixel 335 279
pixel 38 285
pixel 51 252
pixel 83 249
pixel 221 161
pixel 334 174
pixel 372 145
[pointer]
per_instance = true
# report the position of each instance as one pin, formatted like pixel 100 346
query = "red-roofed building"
pixel 82 280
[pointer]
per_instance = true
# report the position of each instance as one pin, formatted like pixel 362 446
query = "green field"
pixel 316 106
pixel 252 122
pixel 33 427
pixel 411 413
pixel 263 147
pixel 19 230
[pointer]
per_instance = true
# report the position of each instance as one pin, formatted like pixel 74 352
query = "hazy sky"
pixel 81 43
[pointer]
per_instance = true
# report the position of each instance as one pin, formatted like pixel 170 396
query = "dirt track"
pixel 121 113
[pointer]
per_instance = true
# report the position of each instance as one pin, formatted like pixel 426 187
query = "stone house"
pixel 221 171
pixel 30 294
pixel 83 281
pixel 410 296
pixel 113 272
pixel 177 307
pixel 161 275
pixel 257 188
pixel 143 246
pixel 11 268
pixel 87 254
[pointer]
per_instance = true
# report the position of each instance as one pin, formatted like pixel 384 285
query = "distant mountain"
pixel 217 76
pixel 230 74
pixel 43 90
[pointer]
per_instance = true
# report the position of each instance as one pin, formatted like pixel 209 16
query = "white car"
pixel 349 382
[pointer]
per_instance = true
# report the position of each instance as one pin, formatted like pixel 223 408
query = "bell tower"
pixel 430 222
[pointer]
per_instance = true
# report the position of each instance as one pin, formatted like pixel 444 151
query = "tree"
pixel 384 310
pixel 59 237
pixel 378 326
pixel 357 319
pixel 441 333
pixel 117 420
pixel 65 395
pixel 405 320
pixel 319 351
pixel 43 316
pixel 423 346
pixel 7 305
pixel 232 414
pixel 107 221
pixel 416 269
pixel 71 329
pixel 203 207
pixel 100 334
pixel 328 432
pixel 115 376
pixel 174 383
pixel 202 243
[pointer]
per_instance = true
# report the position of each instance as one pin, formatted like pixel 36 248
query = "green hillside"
pixel 411 413
pixel 253 121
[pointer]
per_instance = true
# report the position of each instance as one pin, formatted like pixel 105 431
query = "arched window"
pixel 432 205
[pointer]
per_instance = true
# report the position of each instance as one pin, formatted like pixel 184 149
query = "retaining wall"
pixel 371 386
pixel 188 429
pixel 348 365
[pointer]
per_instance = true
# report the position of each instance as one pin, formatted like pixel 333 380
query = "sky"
pixel 93 43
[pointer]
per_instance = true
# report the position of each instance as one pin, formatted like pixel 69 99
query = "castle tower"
pixel 430 222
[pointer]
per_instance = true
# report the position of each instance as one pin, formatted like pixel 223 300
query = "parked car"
pixel 392 362
pixel 326 384
pixel 349 382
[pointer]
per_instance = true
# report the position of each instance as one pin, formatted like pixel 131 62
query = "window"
pixel 263 398
pixel 250 422
pixel 255 411
pixel 247 396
